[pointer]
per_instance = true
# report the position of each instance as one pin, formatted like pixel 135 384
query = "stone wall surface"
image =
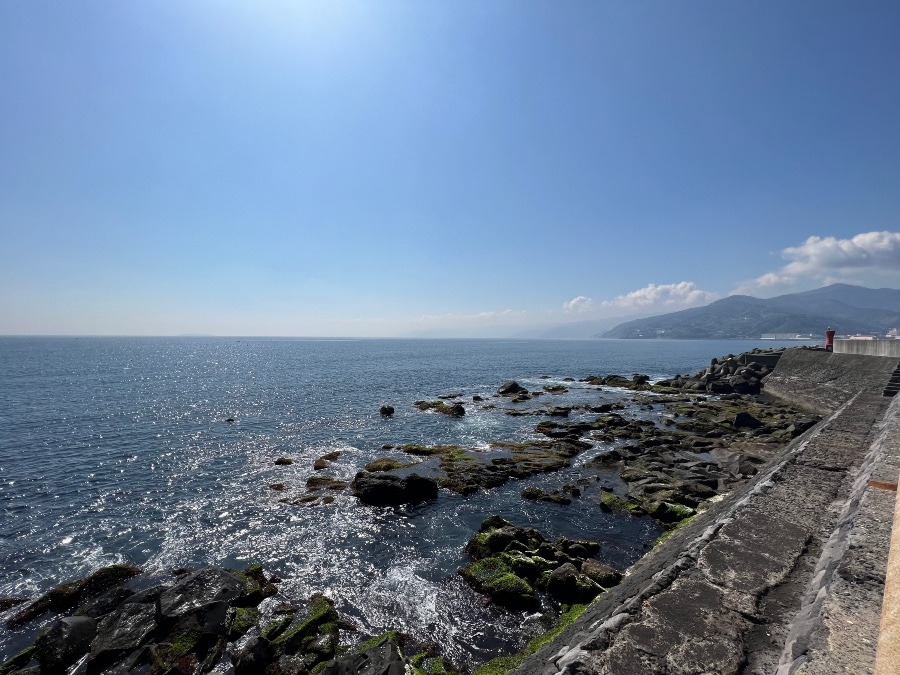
pixel 823 381
pixel 786 574
pixel 889 348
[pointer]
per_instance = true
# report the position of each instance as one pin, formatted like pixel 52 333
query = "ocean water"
pixel 118 450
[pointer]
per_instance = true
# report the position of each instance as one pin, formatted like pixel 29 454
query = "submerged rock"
pixel 454 410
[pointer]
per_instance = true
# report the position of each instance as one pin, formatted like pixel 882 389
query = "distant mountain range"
pixel 574 330
pixel 848 309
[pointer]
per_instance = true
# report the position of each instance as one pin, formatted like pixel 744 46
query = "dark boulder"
pixel 600 573
pixel 496 579
pixel 66 596
pixel 203 588
pixel 380 488
pixel 569 586
pixel 719 387
pixel 254 657
pixel 383 658
pixel 7 603
pixel 64 642
pixel 511 388
pixel 103 603
pixel 386 410
pixel 121 632
pixel 559 411
pixel 744 420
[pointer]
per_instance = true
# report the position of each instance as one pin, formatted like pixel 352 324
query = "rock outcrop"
pixel 213 619
pixel 512 565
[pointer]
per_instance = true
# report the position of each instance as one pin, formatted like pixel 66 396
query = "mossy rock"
pixel 326 482
pixel 493 577
pixel 601 573
pixel 256 587
pixel 276 627
pixel 511 591
pixel 612 502
pixel 423 664
pixel 504 664
pixel 18 661
pixel 477 547
pixel 522 565
pixel 387 464
pixel 669 512
pixel 500 665
pixel 319 616
pixel 427 450
pixel 391 635
pixel 184 643
pixel 244 619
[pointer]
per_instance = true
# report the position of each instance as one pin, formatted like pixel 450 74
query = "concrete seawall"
pixel 786 574
pixel 888 348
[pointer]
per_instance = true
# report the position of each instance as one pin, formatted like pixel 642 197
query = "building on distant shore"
pixel 788 336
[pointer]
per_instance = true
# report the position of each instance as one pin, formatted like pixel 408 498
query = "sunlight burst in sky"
pixel 455 168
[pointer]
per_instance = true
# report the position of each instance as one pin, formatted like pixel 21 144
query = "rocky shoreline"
pixel 713 430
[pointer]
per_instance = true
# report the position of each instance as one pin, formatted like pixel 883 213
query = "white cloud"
pixel 829 259
pixel 578 305
pixel 682 294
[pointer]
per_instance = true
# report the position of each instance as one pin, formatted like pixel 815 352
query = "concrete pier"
pixel 785 575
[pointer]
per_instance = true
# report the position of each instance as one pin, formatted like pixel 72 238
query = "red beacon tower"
pixel 829 340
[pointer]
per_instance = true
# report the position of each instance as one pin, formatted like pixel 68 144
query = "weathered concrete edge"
pixel 612 611
pixel 809 618
pixel 887 658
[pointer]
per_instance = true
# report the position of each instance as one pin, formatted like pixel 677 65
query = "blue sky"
pixel 436 168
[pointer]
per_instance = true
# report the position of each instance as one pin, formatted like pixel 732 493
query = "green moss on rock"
pixel 244 619
pixel 496 579
pixel 18 661
pixel 307 625
pixel 504 664
pixel 387 464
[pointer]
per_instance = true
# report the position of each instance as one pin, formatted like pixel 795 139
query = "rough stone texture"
pixel 383 658
pixel 683 630
pixel 122 631
pixel 823 380
pixel 785 574
pixel 204 587
pixel 66 640
pixel 851 609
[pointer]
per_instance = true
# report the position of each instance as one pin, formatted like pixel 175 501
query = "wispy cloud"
pixel 829 259
pixel 578 305
pixel 681 295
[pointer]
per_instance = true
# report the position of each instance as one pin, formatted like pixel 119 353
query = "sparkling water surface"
pixel 118 450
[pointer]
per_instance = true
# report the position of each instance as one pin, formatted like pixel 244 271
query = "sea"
pixel 119 450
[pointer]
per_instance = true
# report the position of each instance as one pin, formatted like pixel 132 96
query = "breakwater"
pixel 786 574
